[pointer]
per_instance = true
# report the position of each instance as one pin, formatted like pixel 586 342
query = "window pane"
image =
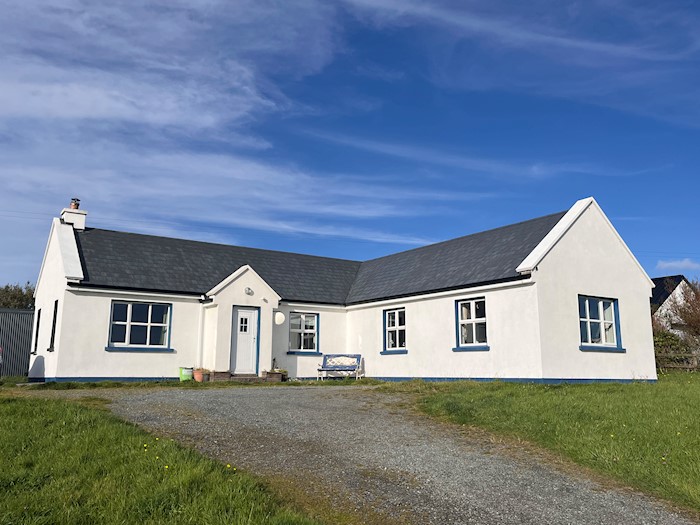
pixel 480 309
pixel 593 310
pixel 402 317
pixel 596 336
pixel 391 339
pixel 608 311
pixel 584 332
pixel 119 312
pixel 295 338
pixel 467 334
pixel 391 319
pixel 609 333
pixel 582 307
pixel 243 328
pixel 402 338
pixel 480 332
pixel 159 313
pixel 465 311
pixel 139 313
pixel 309 341
pixel 137 335
pixel 310 322
pixel 118 334
pixel 158 335
pixel 295 321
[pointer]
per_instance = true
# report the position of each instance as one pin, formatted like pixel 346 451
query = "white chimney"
pixel 74 215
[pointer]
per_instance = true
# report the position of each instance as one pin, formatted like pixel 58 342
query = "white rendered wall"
pixel 590 260
pixel 234 295
pixel 85 334
pixel 51 286
pixel 331 338
pixel 512 332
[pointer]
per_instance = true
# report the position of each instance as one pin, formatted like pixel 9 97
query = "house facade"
pixel 557 298
pixel 669 291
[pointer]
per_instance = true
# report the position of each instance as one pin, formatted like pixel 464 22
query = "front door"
pixel 244 344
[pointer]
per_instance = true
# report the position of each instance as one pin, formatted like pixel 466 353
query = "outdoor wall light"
pixel 249 291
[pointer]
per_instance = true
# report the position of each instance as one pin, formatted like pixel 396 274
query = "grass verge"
pixel 67 463
pixel 80 385
pixel 646 435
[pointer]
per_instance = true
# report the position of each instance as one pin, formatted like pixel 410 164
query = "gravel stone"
pixel 368 448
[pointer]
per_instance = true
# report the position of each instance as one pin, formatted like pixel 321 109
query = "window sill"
pixel 472 348
pixel 140 349
pixel 394 352
pixel 601 348
pixel 303 352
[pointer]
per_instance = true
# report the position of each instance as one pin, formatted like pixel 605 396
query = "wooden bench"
pixel 340 363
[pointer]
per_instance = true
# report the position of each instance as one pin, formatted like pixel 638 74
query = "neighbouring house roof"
pixel 122 260
pixel 663 288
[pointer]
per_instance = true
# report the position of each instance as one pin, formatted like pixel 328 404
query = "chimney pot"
pixel 74 203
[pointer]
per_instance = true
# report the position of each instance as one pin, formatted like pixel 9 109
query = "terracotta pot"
pixel 200 376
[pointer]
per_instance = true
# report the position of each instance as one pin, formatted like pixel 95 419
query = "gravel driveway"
pixel 364 449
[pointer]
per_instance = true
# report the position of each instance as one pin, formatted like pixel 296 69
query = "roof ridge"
pixel 468 235
pixel 221 244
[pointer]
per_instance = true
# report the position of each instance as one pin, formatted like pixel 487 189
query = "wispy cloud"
pixel 679 265
pixel 636 57
pixel 526 170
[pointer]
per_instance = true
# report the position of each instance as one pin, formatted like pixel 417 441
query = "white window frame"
pixel 303 331
pixel 601 321
pixel 148 324
pixel 396 328
pixel 473 321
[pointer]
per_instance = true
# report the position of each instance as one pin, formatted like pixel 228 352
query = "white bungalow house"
pixel 555 298
pixel 669 292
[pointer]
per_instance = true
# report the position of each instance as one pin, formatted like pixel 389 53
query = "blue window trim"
pixel 318 335
pixel 616 348
pixel 477 347
pixel 392 351
pixel 472 348
pixel 140 349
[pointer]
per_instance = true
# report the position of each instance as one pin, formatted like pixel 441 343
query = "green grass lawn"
pixel 644 434
pixel 66 463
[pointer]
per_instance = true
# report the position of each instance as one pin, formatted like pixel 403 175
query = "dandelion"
pixel 156 439
pixel 166 467
pixel 145 445
pixel 612 435
pixel 157 457
pixel 228 466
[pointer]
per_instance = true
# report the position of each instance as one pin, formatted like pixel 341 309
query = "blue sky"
pixel 350 129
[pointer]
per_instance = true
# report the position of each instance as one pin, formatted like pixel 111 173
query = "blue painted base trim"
pixel 300 352
pixel 545 381
pixel 473 348
pixel 98 379
pixel 393 352
pixel 597 348
pixel 140 349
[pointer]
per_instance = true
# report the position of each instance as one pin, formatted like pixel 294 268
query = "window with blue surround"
pixel 599 324
pixel 471 325
pixel 395 331
pixel 303 332
pixel 139 325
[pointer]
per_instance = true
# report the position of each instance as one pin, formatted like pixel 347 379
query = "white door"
pixel 244 347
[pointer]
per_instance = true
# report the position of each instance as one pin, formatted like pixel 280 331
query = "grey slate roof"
pixel 483 257
pixel 133 261
pixel 128 260
pixel 664 287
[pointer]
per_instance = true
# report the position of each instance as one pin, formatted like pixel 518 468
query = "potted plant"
pixel 201 375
